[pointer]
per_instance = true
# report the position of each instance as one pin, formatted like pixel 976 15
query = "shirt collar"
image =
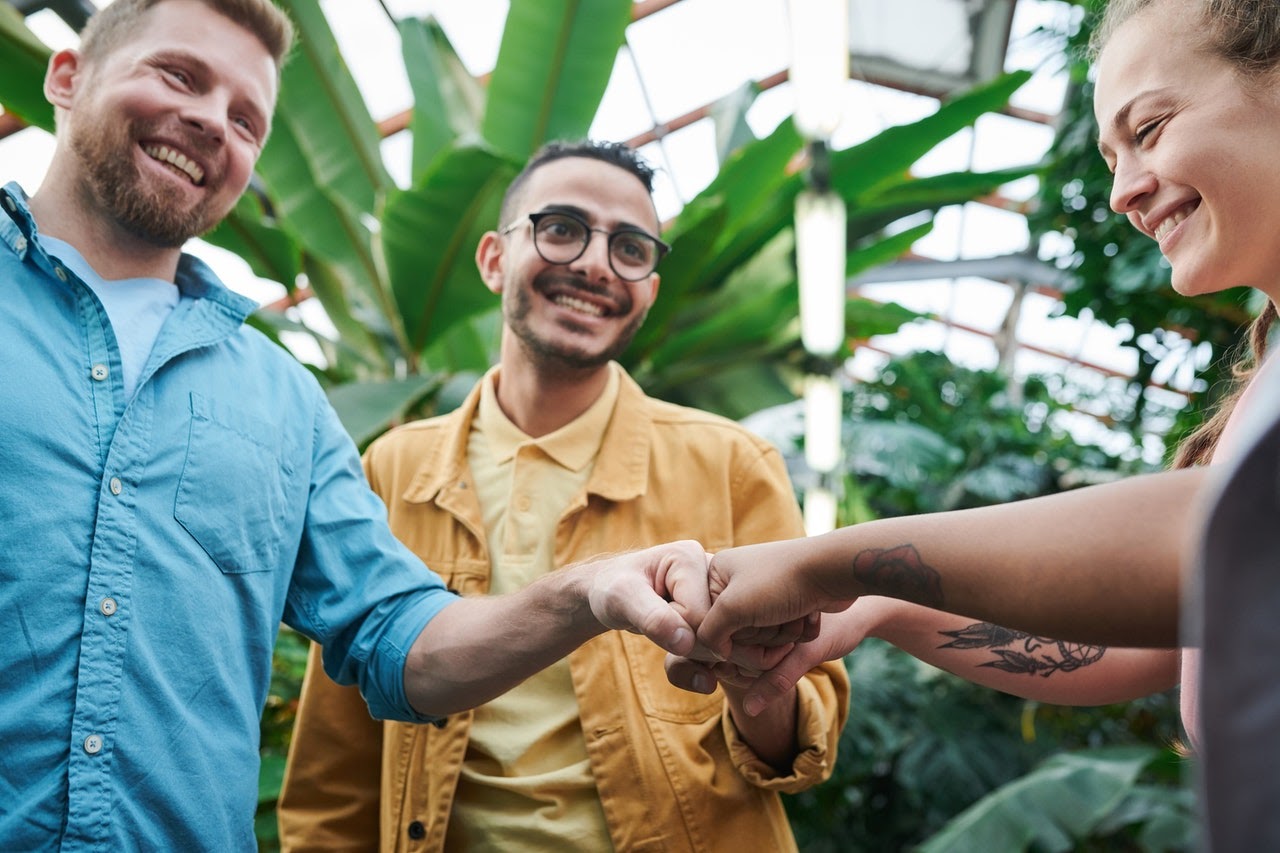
pixel 194 278
pixel 572 446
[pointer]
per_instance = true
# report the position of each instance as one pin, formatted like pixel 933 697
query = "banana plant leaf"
pixel 885 158
pixel 365 408
pixel 553 66
pixel 429 239
pixel 23 60
pixel 448 103
pixel 329 122
pixel 1050 809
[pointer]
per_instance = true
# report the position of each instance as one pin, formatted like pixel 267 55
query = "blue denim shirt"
pixel 149 549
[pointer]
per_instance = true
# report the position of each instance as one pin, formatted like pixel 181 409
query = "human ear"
pixel 61 77
pixel 489 260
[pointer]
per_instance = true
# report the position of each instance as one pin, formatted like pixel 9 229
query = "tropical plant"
pixel 928 758
pixel 392 267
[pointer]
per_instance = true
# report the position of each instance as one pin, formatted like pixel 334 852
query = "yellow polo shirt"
pixel 526 783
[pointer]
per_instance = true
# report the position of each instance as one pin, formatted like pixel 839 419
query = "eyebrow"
pixel 587 217
pixel 1121 118
pixel 205 71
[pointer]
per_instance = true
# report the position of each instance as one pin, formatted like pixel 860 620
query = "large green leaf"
pixel 1049 809
pixel 332 235
pixel 681 275
pixel 470 346
pixel 23 60
pixel 366 408
pixel 429 238
pixel 447 101
pixel 269 251
pixel 885 158
pixel 330 124
pixel 553 65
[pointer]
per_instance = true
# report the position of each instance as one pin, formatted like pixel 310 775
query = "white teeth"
pixel 165 154
pixel 1169 223
pixel 579 305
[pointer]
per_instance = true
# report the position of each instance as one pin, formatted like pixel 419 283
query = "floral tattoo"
pixel 899 572
pixel 1036 655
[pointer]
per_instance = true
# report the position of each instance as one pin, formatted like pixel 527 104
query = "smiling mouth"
pixel 1172 221
pixel 579 305
pixel 177 161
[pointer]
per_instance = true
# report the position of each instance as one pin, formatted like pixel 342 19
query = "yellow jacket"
pixel 672 773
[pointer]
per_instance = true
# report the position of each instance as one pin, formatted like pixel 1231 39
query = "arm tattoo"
pixel 1036 655
pixel 899 572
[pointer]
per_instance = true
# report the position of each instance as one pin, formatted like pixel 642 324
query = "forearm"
pixel 1016 662
pixel 771 734
pixel 1100 565
pixel 478 648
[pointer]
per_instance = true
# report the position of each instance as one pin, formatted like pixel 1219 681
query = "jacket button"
pixel 417 831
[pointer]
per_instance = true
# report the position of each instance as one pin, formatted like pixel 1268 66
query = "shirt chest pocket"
pixel 231 495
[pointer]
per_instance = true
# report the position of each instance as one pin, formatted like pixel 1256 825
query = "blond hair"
pixel 111 27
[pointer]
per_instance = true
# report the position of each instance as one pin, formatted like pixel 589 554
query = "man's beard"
pixel 147 208
pixel 554 353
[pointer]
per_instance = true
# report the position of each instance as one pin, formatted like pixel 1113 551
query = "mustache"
pixel 548 280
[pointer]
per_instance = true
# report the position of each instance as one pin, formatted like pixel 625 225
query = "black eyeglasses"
pixel 562 237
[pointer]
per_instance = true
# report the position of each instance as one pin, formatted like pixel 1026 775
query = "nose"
pixel 593 263
pixel 206 114
pixel 1130 185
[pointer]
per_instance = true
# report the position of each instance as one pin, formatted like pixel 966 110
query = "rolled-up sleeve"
pixel 822 706
pixel 355 589
pixel 765 510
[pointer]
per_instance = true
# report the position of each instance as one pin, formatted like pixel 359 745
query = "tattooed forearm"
pixel 1020 652
pixel 899 572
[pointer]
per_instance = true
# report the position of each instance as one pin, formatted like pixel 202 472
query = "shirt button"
pixel 116 487
pixel 60 273
pixel 8 202
pixel 108 606
pixel 20 243
pixel 99 372
pixel 93 744
pixel 522 503
pixel 417 831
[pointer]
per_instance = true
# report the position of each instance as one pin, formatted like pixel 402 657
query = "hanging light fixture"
pixel 819 64
pixel 819 70
pixel 820 264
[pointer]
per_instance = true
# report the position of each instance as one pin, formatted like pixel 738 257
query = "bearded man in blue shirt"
pixel 176 485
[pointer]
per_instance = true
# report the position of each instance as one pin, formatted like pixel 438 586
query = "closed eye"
pixel 1144 131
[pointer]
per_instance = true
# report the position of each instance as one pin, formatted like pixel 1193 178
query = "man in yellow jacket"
pixel 556 456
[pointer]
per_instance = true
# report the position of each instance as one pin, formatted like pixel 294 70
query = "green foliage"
pixel 922 746
pixel 287 669
pixel 926 752
pixel 928 436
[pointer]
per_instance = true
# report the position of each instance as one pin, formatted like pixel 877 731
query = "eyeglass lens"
pixel 561 239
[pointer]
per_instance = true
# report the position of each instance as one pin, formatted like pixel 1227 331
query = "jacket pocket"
pixel 231 495
pixel 658 698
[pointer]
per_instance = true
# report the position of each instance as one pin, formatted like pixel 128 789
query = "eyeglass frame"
pixel 537 216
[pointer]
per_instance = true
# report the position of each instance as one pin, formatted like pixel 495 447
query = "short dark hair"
pixel 613 153
pixel 110 27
